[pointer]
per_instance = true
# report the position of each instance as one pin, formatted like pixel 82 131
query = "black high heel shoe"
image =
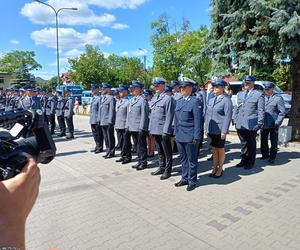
pixel 212 175
pixel 219 176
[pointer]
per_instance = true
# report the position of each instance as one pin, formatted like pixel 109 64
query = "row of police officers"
pixel 31 98
pixel 184 114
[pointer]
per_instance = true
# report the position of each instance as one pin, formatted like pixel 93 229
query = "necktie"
pixel 247 92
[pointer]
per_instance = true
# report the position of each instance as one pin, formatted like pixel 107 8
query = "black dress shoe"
pixel 165 176
pixel 249 166
pixel 240 165
pixel 264 158
pixel 120 160
pixel 190 188
pixel 181 183
pixel 159 171
pixel 61 135
pixel 210 158
pixel 136 165
pixel 126 161
pixel 151 156
pixel 271 161
pixel 105 156
pixel 109 156
pixel 69 137
pixel 97 151
pixel 141 167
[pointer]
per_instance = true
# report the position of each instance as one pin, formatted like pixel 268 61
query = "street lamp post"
pixel 145 58
pixel 56 22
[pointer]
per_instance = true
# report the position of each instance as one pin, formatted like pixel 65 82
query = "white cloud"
pixel 69 38
pixel 115 4
pixel 46 75
pixel 41 14
pixel 120 26
pixel 73 53
pixel 14 41
pixel 135 53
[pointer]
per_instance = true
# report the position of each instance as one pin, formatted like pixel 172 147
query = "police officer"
pixel 107 117
pixel 217 121
pixel 50 110
pixel 249 118
pixel 176 90
pixel 95 126
pixel 188 120
pixel 274 115
pixel 120 126
pixel 69 113
pixel 60 113
pixel 137 123
pixel 28 102
pixel 201 94
pixel 2 99
pixel 160 126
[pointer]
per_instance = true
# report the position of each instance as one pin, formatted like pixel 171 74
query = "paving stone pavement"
pixel 87 202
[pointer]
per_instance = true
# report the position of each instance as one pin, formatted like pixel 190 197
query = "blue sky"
pixel 116 26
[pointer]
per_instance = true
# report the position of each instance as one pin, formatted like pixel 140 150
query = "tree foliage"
pixel 179 52
pixel 92 67
pixel 19 64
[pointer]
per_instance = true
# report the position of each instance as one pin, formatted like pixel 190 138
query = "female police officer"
pixel 217 122
pixel 187 130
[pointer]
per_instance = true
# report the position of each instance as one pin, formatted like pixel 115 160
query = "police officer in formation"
pixel 106 119
pixel 137 123
pixel 187 130
pixel 217 121
pixel 160 126
pixel 95 126
pixel 2 99
pixel 274 115
pixel 68 109
pixel 249 118
pixel 50 110
pixel 60 113
pixel 120 126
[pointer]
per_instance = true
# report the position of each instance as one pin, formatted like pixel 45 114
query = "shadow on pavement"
pixel 71 153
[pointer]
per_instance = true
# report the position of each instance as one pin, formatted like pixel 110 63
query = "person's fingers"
pixel 30 168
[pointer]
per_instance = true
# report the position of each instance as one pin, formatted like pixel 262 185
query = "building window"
pixel 1 81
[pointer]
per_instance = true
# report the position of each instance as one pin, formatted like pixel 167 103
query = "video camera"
pixel 28 134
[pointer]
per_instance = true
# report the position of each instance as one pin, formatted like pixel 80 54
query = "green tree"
pixel 19 64
pixel 122 70
pixel 90 67
pixel 179 52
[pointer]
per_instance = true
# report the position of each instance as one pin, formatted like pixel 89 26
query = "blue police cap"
pixel 94 86
pixel 116 91
pixel 59 91
pixel 250 79
pixel 106 85
pixel 219 83
pixel 158 80
pixel 136 84
pixel 148 92
pixel 49 90
pixel 168 89
pixel 123 88
pixel 187 82
pixel 269 85
pixel 174 84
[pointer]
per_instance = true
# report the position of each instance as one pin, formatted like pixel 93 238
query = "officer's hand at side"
pixel 223 136
pixel 257 127
pixel 196 142
pixel 17 197
pixel 206 133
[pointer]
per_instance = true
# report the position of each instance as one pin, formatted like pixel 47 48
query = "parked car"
pixel 236 86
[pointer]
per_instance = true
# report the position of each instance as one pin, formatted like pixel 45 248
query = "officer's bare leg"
pixel 215 160
pixel 221 156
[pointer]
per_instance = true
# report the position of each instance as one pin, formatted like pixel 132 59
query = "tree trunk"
pixel 295 110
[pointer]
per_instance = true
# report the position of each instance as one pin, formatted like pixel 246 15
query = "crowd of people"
pixel 175 118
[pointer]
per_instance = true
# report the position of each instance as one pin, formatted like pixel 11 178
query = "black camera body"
pixel 28 135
